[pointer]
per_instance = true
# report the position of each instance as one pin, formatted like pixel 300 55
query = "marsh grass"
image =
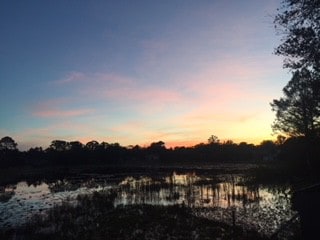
pixel 94 216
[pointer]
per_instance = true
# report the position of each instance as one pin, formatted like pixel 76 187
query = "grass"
pixel 95 217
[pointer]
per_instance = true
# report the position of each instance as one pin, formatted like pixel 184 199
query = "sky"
pixel 136 72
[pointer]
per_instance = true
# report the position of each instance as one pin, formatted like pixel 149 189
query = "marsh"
pixel 230 198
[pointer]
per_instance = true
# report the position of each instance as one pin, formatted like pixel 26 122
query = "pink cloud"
pixel 221 82
pixel 55 113
pixel 145 95
pixel 229 80
pixel 59 108
pixel 123 89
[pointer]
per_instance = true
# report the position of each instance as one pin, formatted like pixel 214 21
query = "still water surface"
pixel 224 198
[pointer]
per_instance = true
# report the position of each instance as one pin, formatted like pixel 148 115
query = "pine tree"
pixel 298 111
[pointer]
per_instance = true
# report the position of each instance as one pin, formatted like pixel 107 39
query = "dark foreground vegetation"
pixel 95 217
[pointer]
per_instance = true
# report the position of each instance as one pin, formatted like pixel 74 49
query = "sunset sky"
pixel 136 72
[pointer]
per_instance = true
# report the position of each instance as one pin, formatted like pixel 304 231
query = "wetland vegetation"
pixel 213 190
pixel 163 203
pixel 218 190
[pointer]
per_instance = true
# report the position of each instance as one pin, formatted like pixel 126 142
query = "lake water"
pixel 224 198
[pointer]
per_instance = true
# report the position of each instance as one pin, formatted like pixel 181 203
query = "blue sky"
pixel 135 72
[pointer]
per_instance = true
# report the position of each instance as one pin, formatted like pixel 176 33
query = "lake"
pixel 226 197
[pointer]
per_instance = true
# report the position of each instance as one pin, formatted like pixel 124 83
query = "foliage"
pixel 92 145
pixel 299 23
pixel 7 143
pixel 71 155
pixel 298 112
pixel 213 139
pixel 280 140
pixel 59 145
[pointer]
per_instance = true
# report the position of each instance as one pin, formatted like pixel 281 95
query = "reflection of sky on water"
pixel 260 208
pixel 187 189
pixel 31 199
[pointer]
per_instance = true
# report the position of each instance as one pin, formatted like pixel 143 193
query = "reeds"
pixel 96 217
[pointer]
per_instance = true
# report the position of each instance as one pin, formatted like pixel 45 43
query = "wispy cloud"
pixel 111 88
pixel 56 113
pixel 71 78
pixel 59 108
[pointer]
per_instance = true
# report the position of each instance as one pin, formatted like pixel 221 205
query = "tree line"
pixel 73 153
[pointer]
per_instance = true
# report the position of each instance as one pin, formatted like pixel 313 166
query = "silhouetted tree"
pixel 228 142
pixel 160 145
pixel 280 140
pixel 298 23
pixel 155 152
pixel 268 150
pixel 92 145
pixel 75 145
pixel 36 150
pixel 213 140
pixel 59 145
pixel 104 145
pixel 298 112
pixel 36 156
pixel 7 143
pixel 246 152
pixel 9 154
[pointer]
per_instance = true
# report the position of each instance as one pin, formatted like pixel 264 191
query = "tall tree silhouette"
pixel 298 112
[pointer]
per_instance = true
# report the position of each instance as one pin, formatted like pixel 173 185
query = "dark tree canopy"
pixel 157 145
pixel 59 145
pixel 298 21
pixel 92 145
pixel 7 143
pixel 76 145
pixel 298 111
pixel 213 139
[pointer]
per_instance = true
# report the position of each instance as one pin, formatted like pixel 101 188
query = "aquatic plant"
pixel 95 217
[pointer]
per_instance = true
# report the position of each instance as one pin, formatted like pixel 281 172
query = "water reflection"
pixel 6 193
pixel 187 189
pixel 29 199
pixel 223 198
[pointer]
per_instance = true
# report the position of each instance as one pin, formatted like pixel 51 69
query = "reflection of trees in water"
pixel 185 189
pixel 75 183
pixel 6 193
pixel 229 201
pixel 63 185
